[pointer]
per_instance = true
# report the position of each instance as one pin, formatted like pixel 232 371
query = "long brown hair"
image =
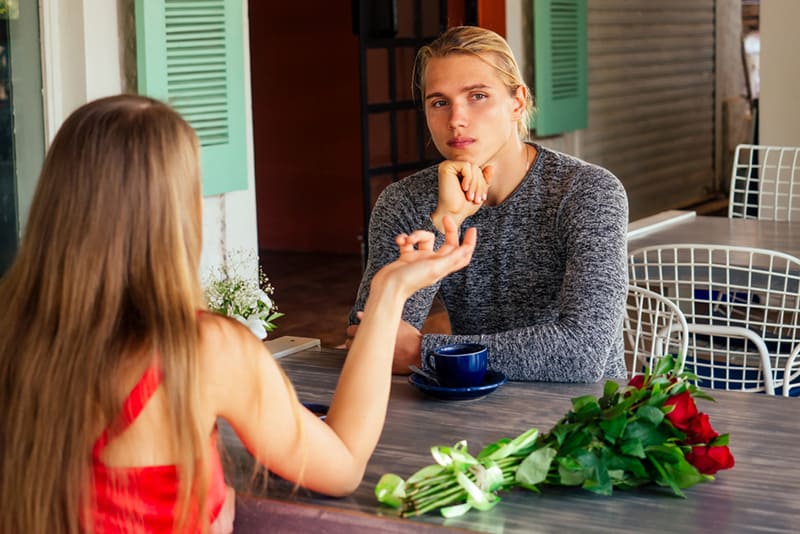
pixel 487 46
pixel 107 271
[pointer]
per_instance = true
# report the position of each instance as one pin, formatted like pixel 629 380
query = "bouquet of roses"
pixel 649 431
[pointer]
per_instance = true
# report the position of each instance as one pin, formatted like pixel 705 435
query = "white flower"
pixel 245 298
pixel 256 326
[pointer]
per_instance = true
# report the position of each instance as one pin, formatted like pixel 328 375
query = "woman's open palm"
pixel 420 266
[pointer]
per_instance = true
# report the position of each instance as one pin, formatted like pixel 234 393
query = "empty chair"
pixel 741 306
pixel 792 371
pixel 765 183
pixel 653 327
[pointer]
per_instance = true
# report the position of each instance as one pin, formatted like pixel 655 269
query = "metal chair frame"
pixel 765 183
pixel 654 327
pixel 742 306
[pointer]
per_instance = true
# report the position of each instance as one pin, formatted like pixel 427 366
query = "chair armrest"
pixel 740 332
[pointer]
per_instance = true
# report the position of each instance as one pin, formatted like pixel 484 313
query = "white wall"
pixel 779 123
pixel 86 48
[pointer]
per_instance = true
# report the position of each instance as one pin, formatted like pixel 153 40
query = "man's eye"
pixel 478 96
pixel 438 103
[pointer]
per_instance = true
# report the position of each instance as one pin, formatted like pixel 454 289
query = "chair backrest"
pixel 654 327
pixel 765 183
pixel 741 305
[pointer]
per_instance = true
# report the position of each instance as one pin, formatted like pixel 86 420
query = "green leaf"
pixel 631 466
pixel 664 478
pixel 579 438
pixel 571 473
pixel 685 474
pixel 563 431
pixel 585 407
pixel 596 479
pixel 665 365
pixel 644 432
pixel 719 441
pixel 657 399
pixel 521 442
pixel 668 452
pixel 390 490
pixel 534 468
pixel 613 428
pixel 632 447
pixel 609 388
pixel 455 511
pixel 491 448
pixel 700 394
pixel 650 414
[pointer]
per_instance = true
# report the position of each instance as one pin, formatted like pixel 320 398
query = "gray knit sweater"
pixel 546 286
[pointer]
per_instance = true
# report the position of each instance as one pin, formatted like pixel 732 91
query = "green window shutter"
pixel 560 65
pixel 190 53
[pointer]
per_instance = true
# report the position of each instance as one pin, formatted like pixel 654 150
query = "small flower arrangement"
pixel 649 431
pixel 248 300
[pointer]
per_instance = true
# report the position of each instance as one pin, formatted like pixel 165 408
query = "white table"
pixel 781 236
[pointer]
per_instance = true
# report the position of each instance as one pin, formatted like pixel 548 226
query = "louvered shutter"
pixel 190 53
pixel 559 42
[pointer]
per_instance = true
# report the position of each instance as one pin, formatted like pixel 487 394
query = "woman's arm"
pixel 257 400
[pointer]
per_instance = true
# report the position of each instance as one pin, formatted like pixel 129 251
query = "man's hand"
pixel 463 188
pixel 406 350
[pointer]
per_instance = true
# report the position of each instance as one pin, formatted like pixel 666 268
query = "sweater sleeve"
pixel 584 343
pixel 395 213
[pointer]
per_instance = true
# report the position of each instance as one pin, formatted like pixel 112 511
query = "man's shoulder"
pixel 420 188
pixel 577 173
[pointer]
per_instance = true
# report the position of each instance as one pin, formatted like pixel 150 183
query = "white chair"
pixel 654 327
pixel 741 305
pixel 792 371
pixel 765 183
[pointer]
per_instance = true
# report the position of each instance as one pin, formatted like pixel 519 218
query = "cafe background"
pixel 666 102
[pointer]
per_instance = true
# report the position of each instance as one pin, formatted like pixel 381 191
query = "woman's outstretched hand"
pixel 420 266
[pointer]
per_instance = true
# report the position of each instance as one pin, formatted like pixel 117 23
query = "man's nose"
pixel 458 115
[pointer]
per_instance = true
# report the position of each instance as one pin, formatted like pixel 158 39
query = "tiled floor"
pixel 316 292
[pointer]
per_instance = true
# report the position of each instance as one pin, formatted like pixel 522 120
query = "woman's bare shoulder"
pixel 226 344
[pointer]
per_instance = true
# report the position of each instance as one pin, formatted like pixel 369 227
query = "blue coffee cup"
pixel 459 365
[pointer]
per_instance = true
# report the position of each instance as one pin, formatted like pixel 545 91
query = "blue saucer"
pixel 491 381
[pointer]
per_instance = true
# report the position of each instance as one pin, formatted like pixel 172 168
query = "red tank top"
pixel 143 499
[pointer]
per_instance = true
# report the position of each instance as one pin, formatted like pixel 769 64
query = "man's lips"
pixel 460 142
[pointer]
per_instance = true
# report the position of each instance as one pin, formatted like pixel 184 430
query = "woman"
pixel 112 379
pixel 546 292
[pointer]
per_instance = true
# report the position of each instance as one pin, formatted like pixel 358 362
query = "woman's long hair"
pixel 107 270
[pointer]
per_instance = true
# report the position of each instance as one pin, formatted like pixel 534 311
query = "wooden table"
pixel 780 236
pixel 761 493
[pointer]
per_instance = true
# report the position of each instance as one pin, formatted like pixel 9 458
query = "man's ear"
pixel 520 97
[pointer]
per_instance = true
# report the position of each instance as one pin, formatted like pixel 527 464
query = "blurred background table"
pixel 774 235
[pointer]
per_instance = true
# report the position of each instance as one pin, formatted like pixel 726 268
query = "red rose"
pixel 709 460
pixel 684 410
pixel 699 430
pixel 637 381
